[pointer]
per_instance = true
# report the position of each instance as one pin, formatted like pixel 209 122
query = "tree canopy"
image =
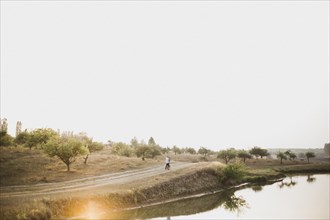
pixel 282 156
pixel 227 155
pixel 309 155
pixel 258 152
pixel 67 149
pixel 243 154
pixel 39 137
pixel 5 139
pixel 204 151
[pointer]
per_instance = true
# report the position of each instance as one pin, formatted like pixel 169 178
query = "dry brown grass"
pixel 19 166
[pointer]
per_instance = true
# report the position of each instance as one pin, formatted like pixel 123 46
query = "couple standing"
pixel 167 163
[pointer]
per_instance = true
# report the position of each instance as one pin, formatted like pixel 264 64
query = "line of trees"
pixel 289 155
pixel 68 146
pixel 231 153
pixel 256 152
pixel 151 149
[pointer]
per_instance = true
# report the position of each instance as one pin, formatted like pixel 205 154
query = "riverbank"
pixel 205 178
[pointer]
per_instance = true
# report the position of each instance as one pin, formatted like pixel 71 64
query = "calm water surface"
pixel 296 197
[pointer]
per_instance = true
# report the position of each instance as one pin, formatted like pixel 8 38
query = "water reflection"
pixel 257 188
pixel 191 206
pixel 235 204
pixel 310 178
pixel 285 183
pixel 232 204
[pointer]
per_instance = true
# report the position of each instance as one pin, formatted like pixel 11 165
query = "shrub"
pixel 232 173
pixel 122 149
pixel 5 139
pixel 227 155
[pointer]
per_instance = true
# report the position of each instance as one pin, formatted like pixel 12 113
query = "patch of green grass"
pixel 305 168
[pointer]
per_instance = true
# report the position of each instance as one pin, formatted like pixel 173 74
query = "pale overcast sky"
pixel 189 73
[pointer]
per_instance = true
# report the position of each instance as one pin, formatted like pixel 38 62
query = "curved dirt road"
pixel 85 183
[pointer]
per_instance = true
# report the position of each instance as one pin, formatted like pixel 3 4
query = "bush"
pixel 232 173
pixel 125 151
pixel 5 139
pixel 22 138
pixel 122 149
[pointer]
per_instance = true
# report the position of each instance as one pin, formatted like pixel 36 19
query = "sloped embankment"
pixel 203 180
pixel 170 186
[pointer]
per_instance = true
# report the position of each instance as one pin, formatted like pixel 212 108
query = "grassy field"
pixel 21 166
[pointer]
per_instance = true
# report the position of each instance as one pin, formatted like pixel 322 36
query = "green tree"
pixel 309 155
pixel 176 150
pixel 67 149
pixel 40 136
pixel 83 137
pixel 165 150
pixel 281 156
pixel 151 142
pixel 263 153
pixel 243 154
pixel 204 151
pixel 255 151
pixel 122 149
pixel 153 151
pixel 259 152
pixel 22 138
pixel 290 155
pixel 134 143
pixel 141 151
pixel 5 139
pixel 190 150
pixel 227 155
pixel 147 151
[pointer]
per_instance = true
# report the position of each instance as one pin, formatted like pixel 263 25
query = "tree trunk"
pixel 308 159
pixel 281 160
pixel 68 167
pixel 85 161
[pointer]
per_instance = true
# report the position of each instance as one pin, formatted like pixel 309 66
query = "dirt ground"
pixel 112 181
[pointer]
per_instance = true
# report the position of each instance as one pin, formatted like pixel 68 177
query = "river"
pixel 296 197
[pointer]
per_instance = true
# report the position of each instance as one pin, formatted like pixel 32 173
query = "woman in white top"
pixel 167 163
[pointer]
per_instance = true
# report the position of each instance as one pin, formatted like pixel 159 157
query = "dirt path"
pixel 86 183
